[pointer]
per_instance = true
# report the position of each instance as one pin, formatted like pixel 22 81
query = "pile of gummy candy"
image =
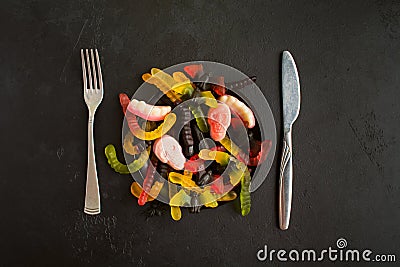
pixel 178 160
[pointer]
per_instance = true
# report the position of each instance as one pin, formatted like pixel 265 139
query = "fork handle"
pixel 92 197
pixel 285 182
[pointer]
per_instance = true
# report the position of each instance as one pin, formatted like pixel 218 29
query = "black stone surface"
pixel 346 139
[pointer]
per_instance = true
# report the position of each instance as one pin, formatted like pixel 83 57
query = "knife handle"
pixel 285 182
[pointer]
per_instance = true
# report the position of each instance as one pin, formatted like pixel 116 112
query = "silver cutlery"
pixel 291 109
pixel 93 94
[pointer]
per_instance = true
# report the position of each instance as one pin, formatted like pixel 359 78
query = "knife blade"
pixel 291 109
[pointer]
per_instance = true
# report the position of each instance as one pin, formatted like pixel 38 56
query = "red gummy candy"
pixel 194 70
pixel 219 86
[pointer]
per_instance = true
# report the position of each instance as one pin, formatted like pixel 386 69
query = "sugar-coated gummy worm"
pixel 137 131
pixel 137 164
pixel 148 181
pixel 245 200
pixel 239 108
pixel 148 112
pixel 240 84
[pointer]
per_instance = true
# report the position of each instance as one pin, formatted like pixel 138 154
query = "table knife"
pixel 291 108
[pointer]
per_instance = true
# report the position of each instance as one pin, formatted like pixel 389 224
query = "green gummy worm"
pixel 245 200
pixel 132 167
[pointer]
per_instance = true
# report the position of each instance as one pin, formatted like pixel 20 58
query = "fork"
pixel 93 94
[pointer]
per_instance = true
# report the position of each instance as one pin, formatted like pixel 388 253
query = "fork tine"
pixel 83 70
pixel 94 70
pixel 89 69
pixel 99 71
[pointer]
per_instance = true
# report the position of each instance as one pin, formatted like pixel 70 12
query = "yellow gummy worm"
pixel 183 85
pixel 221 157
pixel 180 77
pixel 184 181
pixel 231 195
pixel 162 81
pixel 164 127
pixel 209 99
pixel 230 146
pixel 233 149
pixel 168 79
pixel 183 88
pixel 176 213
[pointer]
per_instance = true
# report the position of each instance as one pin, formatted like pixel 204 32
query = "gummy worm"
pixel 245 199
pixel 238 107
pixel 198 114
pixel 148 181
pixel 162 81
pixel 132 167
pixel 137 131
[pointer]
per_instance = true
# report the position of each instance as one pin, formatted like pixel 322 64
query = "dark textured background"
pixel 346 139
